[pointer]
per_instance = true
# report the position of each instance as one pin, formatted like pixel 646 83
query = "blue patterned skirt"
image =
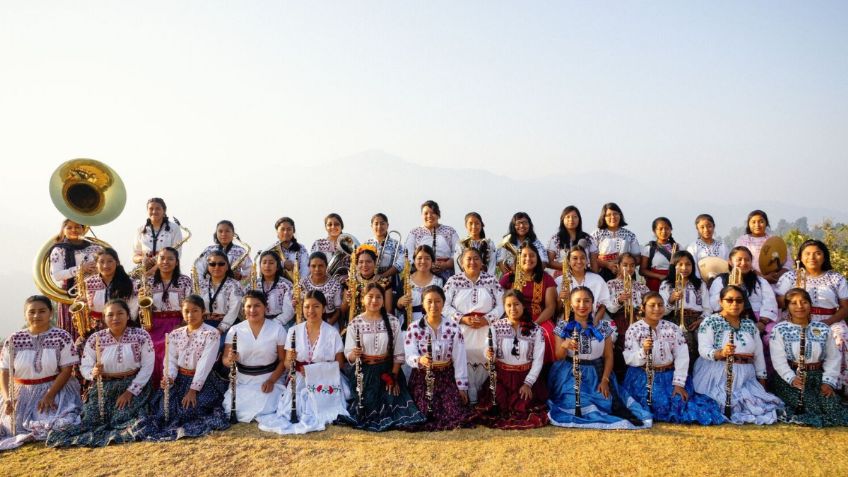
pixel 699 409
pixel 381 410
pixel 199 420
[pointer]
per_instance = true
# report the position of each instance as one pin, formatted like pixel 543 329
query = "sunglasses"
pixel 216 264
pixel 734 300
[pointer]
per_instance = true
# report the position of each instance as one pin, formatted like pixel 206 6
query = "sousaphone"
pixel 88 192
pixel 772 255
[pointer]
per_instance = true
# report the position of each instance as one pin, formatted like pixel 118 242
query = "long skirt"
pixel 124 425
pixel 550 340
pixel 251 401
pixel 619 411
pixel 698 409
pixel 819 411
pixel 206 416
pixel 750 402
pixel 163 322
pixel 381 410
pixel 512 412
pixel 446 411
pixel 32 425
pixel 622 323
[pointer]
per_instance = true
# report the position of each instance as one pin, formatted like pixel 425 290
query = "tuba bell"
pixel 345 246
pixel 88 192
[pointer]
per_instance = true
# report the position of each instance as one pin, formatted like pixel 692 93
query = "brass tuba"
pixel 345 245
pixel 88 192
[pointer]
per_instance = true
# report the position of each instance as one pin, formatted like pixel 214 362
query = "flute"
pixel 728 385
pixel 98 354
pixel 233 378
pixel 649 369
pixel 800 407
pixel 166 393
pixel 493 373
pixel 293 378
pixel 578 375
pixel 360 379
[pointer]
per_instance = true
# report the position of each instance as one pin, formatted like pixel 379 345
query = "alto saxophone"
pixel 566 285
pixel 145 300
pixel 298 312
pixel 800 276
pixel 185 238
pixel 353 291
pixel 79 309
pixel 195 281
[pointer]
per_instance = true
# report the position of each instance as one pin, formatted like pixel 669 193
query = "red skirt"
pixel 513 413
pixel 653 284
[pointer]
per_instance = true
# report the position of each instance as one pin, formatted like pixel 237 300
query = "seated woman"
pixel 195 393
pixel 435 350
pixel 673 399
pixel 330 288
pixel 749 402
pixel 569 234
pixel 756 234
pixel 375 339
pixel 537 292
pixel 520 232
pixel 277 290
pixel 110 281
pixel 694 295
pixel 593 400
pixel 820 405
pixel 258 355
pixel 616 306
pixel 476 238
pixel 421 278
pixel 37 385
pixel 120 360
pixel 314 351
pixel 520 395
pixel 656 254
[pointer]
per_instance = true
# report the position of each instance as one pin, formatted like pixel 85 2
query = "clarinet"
pixel 578 375
pixel 360 379
pixel 233 377
pixel 13 425
pixel 101 406
pixel 728 386
pixel 649 369
pixel 493 373
pixel 429 379
pixel 166 393
pixel 802 371
pixel 293 381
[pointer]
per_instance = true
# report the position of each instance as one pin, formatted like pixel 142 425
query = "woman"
pixel 221 293
pixel 419 279
pixel 829 292
pixel 570 234
pixel 442 239
pixel 334 226
pixel 168 288
pixel 758 293
pixel 365 258
pixel 277 290
pixel 673 399
pixel 610 239
pixel 195 393
pixel 156 234
pixel 223 237
pixel 602 404
pixel 656 255
pixel 756 234
pixel 616 306
pixel 537 292
pixel 123 364
pixel 317 356
pixel 750 403
pixel 111 281
pixel 37 366
pixel 374 338
pixel 707 244
pixel 474 299
pixel 71 253
pixel 520 232
pixel 434 347
pixel 519 356
pixel 259 356
pixel 477 239
pixel 330 288
pixel 580 276
pixel 695 299
pixel 820 406
pixel 392 256
pixel 293 252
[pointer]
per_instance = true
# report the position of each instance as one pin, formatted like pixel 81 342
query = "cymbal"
pixel 772 255
pixel 711 267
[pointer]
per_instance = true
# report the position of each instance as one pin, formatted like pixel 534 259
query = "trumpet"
pixel 79 310
pixel 680 287
pixel 800 275
pixel 145 300
pixel 628 301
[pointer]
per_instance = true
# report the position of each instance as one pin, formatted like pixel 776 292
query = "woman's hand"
pixel 603 388
pixel 393 389
pixel 166 383
pixel 267 386
pixel 232 357
pixel 569 344
pixel 424 362
pixel 565 294
pixel 124 400
pixel 680 391
pixel 190 399
pixel 674 296
pixel 89 268
pixel 797 383
pixel 695 325
pixel 405 300
pixel 727 350
pixel 7 407
pixel 622 298
pixel 827 391
pixel 47 403
pixel 97 371
pixel 490 355
pixel 525 392
pixel 464 396
pixel 647 345
pixel 355 353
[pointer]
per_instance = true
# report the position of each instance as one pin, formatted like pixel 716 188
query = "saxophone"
pixel 185 238
pixel 578 375
pixel 407 290
pixel 802 371
pixel 298 312
pixel 145 300
pixel 649 369
pixel 353 290
pixel 728 384
pixel 237 264
pixel 293 377
pixel 627 280
pixel 195 281
pixel 79 309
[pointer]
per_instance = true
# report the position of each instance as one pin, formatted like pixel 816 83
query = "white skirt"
pixel 750 402
pixel 251 402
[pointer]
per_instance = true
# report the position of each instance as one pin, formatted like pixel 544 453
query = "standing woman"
pixel 537 292
pixel 611 239
pixel 70 253
pixel 330 288
pixel 756 233
pixel 421 278
pixel 111 281
pixel 223 237
pixel 696 298
pixel 366 273
pixel 443 239
pixel 706 245
pixel 434 346
pixel 334 225
pixel 750 402
pixel 520 232
pixel 821 405
pixel 616 306
pixel 570 234
pixel 580 276
pixel 221 292
pixel 155 235
pixel 168 288
pixel 277 290
pixel 387 248
pixel 602 404
pixel 195 392
pixel 673 399
pixel 124 366
pixel 46 395
pixel 477 239
pixel 519 356
pixel 828 290
pixel 656 255
pixel 293 251
pixel 474 299
pixel 385 401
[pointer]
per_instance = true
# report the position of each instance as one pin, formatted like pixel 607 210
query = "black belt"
pixel 418 309
pixel 257 370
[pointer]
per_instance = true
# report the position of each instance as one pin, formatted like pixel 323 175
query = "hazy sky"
pixel 195 99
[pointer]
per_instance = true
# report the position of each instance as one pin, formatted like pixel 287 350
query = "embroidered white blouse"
pixel 132 351
pixel 234 253
pixel 59 273
pixel 592 281
pixel 196 350
pixel 669 347
pixel 374 338
pixel 616 288
pixel 531 348
pixel 225 300
pixel 820 347
pixel 448 345
pixel 279 296
pixel 714 332
pixel 490 261
pixel 168 297
pixel 826 289
pixel 39 356
pixel 762 300
pixel 447 241
pixel 168 235
pixel 386 260
pixel 697 299
pixel 331 289
pixel 613 243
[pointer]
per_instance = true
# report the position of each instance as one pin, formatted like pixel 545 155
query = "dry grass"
pixel 664 450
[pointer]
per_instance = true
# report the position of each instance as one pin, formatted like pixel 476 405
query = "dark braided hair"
pixel 526 322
